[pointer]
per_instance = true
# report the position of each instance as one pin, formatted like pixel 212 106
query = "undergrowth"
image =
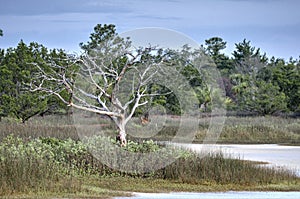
pixel 63 165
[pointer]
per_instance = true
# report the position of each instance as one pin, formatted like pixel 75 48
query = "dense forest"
pixel 254 83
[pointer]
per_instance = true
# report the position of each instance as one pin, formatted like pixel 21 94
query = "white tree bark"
pixel 97 85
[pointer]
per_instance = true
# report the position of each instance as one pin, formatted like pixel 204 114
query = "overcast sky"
pixel 272 25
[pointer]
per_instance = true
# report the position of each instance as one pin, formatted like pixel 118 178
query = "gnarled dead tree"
pixel 110 80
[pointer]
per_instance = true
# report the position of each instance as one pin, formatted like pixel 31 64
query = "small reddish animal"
pixel 145 119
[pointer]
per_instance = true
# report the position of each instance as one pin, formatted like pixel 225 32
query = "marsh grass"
pixel 48 126
pixel 261 130
pixel 242 130
pixel 51 165
pixel 236 130
pixel 215 168
pixel 46 156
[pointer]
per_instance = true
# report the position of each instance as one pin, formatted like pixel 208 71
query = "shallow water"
pixel 223 195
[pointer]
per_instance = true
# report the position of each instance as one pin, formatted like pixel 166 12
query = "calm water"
pixel 225 195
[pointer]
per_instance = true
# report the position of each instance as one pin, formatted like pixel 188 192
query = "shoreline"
pixel 224 195
pixel 275 155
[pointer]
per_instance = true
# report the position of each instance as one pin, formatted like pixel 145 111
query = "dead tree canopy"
pixel 111 79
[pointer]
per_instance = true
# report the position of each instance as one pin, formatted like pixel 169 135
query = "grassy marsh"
pixel 236 130
pixel 45 158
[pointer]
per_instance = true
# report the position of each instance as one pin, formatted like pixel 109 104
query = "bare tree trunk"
pixel 120 122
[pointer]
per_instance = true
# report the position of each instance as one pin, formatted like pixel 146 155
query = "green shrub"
pixel 29 166
pixel 144 147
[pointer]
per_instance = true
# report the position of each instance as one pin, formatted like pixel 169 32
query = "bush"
pixel 144 147
pixel 30 166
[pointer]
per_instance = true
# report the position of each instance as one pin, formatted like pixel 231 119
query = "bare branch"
pixel 136 105
pixel 108 113
pixel 99 79
pixel 157 94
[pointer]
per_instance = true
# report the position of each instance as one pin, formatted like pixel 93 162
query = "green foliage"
pixel 286 76
pixel 246 75
pixel 214 47
pixel 144 147
pixel 261 87
pixel 16 71
pixel 244 51
pixel 102 33
pixel 30 166
pixel 28 105
pixel 261 98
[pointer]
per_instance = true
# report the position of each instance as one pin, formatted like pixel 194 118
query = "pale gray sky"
pixel 272 25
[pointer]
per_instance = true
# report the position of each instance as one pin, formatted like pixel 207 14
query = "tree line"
pixel 253 83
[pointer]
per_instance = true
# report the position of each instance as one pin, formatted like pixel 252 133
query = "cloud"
pixel 186 12
pixel 157 17
pixel 39 7
pixel 61 22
